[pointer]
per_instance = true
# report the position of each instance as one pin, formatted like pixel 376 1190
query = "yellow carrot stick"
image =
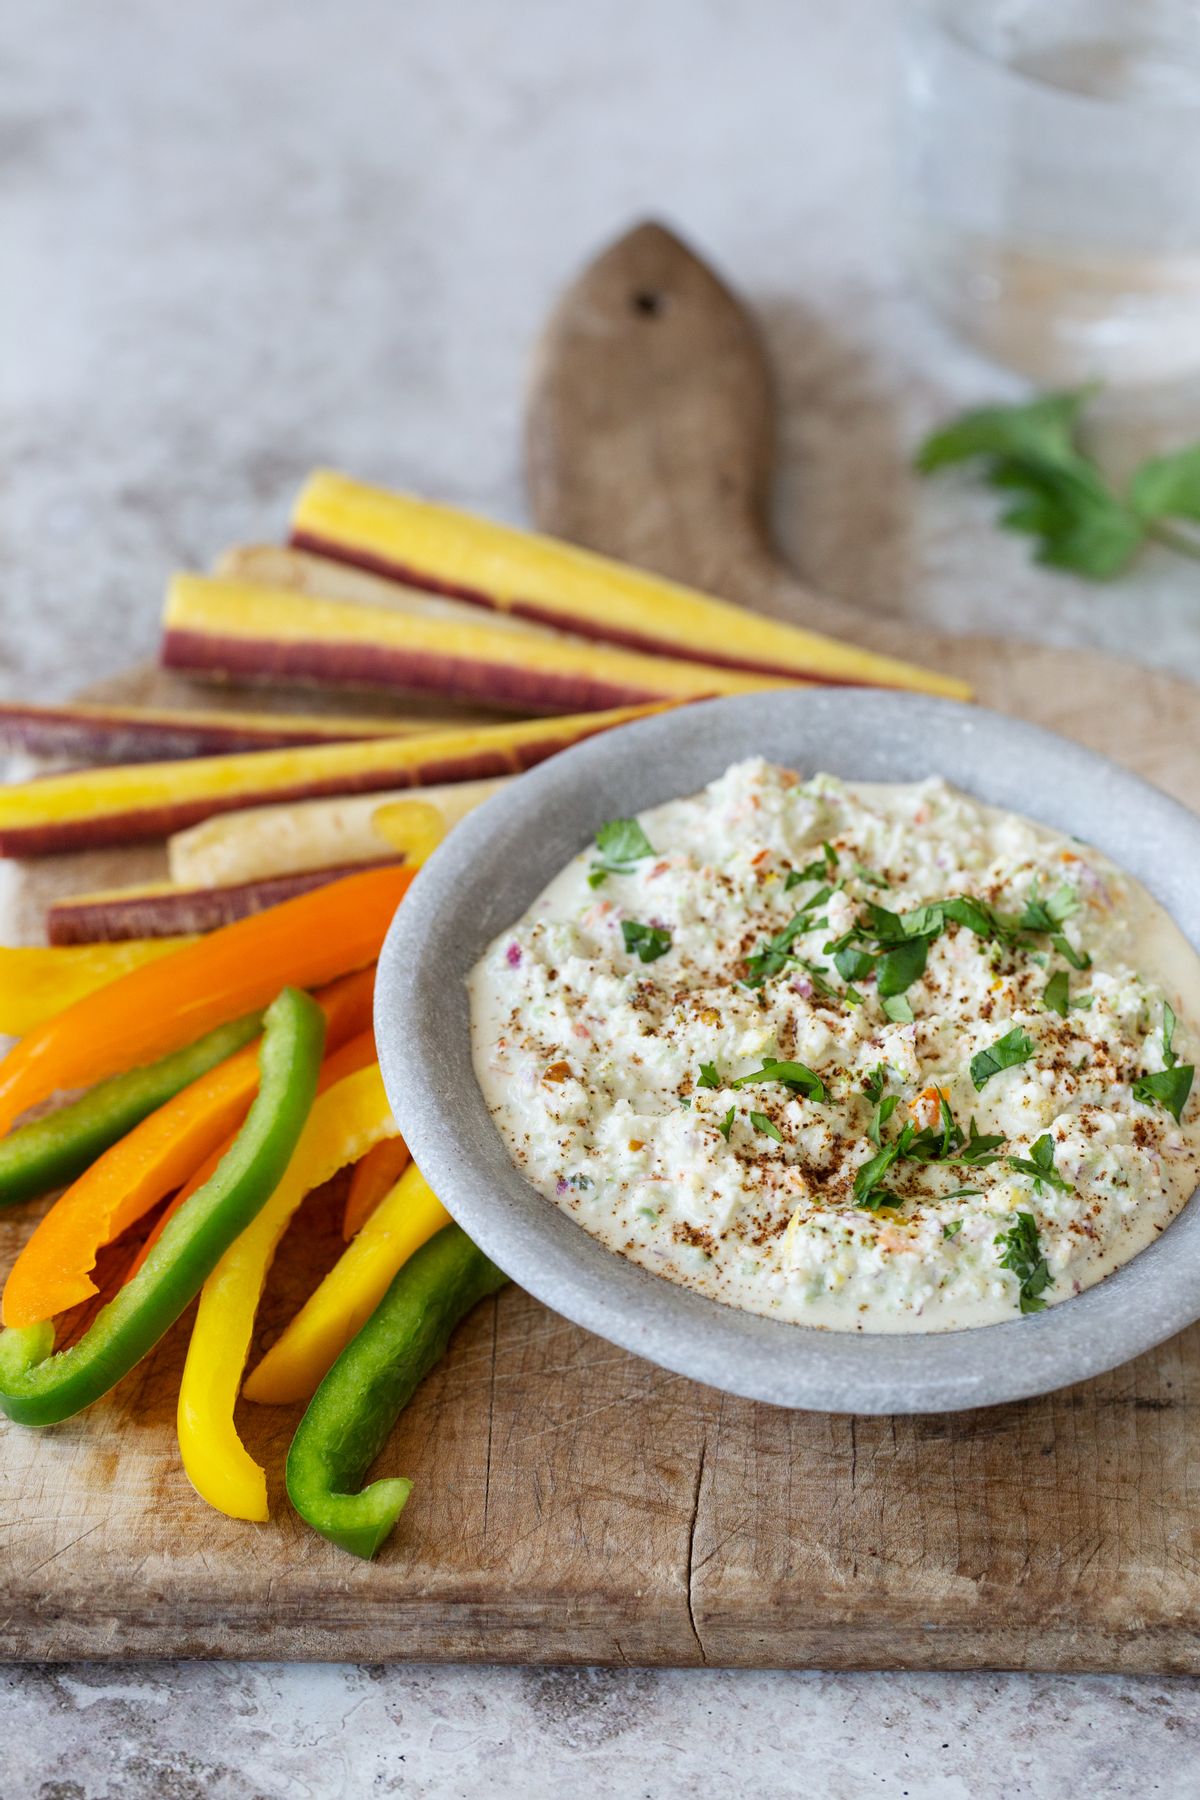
pixel 344 1123
pixel 298 1362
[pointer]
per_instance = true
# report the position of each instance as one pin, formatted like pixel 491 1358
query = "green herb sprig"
pixel 1023 1257
pixel 1059 495
pixel 622 845
pixel 646 942
pixel 1172 1084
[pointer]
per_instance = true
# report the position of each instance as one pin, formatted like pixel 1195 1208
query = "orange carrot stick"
pixel 53 1270
pixel 235 970
pixel 373 1179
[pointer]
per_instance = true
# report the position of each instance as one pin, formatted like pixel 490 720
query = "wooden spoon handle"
pixel 650 429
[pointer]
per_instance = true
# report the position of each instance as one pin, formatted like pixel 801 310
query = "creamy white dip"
pixel 625 1029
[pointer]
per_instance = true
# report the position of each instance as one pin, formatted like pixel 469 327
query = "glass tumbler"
pixel 1051 182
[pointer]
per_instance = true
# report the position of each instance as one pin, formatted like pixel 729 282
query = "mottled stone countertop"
pixel 242 240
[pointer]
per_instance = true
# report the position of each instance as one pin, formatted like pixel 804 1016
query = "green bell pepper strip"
pixel 39 1387
pixel 354 1409
pixel 51 1151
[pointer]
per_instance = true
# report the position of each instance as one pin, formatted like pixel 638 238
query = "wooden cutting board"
pixel 572 1503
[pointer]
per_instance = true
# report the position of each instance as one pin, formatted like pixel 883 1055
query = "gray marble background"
pixel 243 238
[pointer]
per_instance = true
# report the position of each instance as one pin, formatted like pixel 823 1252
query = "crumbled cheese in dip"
pixel 974 1112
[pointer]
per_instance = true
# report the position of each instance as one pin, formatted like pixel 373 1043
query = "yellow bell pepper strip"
pixel 36 982
pixel 40 1387
pixel 57 1148
pixel 234 970
pixel 359 1053
pixel 298 1361
pixel 359 1401
pixel 373 1178
pixel 54 1269
pixel 345 1121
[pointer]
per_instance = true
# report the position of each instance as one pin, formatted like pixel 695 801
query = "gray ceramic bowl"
pixel 499 859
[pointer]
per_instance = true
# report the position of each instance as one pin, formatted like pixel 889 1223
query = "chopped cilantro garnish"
pixel 956 1225
pixel 898 968
pixel 1049 915
pixel 767 1126
pixel 957 1194
pixel 883 1111
pixel 1172 1084
pixel 622 844
pixel 1078 959
pixel 794 1075
pixel 1057 997
pixel 646 942
pixel 1023 1256
pixel 1016 1046
pixel 853 964
pixel 776 953
pixel 875 1082
pixel 869 876
pixel 898 1010
pixel 726 1125
pixel 1040 1164
pixel 816 975
pixel 819 870
pixel 869 1192
pixel 708 1077
pixel 979 1150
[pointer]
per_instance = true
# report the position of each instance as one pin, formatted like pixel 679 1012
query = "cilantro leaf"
pixel 897 1009
pixel 1016 1046
pixel 875 1082
pixel 879 1118
pixel 1023 1256
pixel 898 968
pixel 767 1126
pixel 974 914
pixel 1078 959
pixel 708 1077
pixel 1171 1086
pixel 979 1150
pixel 794 1075
pixel 646 942
pixel 622 844
pixel 871 878
pixel 822 869
pixel 777 951
pixel 1168 1088
pixel 853 964
pixel 1168 487
pixel 726 1125
pixel 953 1229
pixel 1042 430
pixel 1048 915
pixel 1040 1164
pixel 1057 997
pixel 868 1192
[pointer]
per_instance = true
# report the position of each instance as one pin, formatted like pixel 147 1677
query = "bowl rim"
pixel 473 887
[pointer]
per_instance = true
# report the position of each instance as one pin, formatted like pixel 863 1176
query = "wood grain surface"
pixel 571 1502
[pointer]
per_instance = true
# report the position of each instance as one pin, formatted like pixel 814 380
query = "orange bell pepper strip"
pixel 37 982
pixel 358 1053
pixel 373 1178
pixel 344 1123
pixel 53 1270
pixel 299 1360
pixel 237 969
